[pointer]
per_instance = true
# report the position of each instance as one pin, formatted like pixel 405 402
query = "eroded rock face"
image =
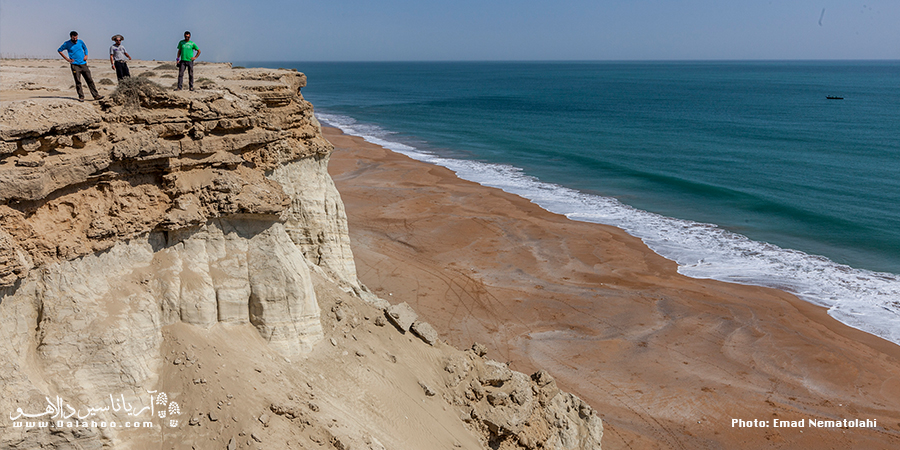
pixel 76 179
pixel 315 218
pixel 155 209
pixel 513 410
pixel 112 306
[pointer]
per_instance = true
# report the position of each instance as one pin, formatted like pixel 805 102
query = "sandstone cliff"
pixel 180 261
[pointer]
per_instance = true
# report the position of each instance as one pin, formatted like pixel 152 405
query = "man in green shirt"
pixel 186 59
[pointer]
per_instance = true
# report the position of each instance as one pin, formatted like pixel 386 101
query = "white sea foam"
pixel 866 300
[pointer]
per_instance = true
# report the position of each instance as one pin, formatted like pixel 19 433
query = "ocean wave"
pixel 862 299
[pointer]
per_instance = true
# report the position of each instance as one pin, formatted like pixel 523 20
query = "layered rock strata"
pixel 140 229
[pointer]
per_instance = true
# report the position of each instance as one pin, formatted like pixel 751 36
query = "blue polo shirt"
pixel 77 51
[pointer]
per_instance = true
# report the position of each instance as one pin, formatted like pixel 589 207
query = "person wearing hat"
pixel 78 55
pixel 117 57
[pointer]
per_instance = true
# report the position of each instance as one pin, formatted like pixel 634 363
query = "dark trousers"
pixel 79 71
pixel 121 69
pixel 189 65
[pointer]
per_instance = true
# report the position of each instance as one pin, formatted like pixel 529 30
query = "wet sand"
pixel 667 360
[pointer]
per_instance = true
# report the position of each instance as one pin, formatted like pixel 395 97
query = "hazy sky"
pixel 390 30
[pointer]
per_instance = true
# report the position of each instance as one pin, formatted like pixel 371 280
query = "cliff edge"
pixel 176 272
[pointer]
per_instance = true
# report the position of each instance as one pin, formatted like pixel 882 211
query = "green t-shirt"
pixel 187 49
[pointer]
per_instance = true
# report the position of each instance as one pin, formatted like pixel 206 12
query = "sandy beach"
pixel 668 361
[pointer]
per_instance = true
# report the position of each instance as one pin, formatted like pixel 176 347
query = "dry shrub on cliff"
pixel 166 67
pixel 133 91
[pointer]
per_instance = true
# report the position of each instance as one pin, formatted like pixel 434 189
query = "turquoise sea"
pixel 738 171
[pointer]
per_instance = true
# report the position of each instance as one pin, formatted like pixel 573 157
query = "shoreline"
pixel 815 309
pixel 587 301
pixel 854 296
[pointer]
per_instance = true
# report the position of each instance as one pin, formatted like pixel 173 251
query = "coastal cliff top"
pixel 50 79
pixel 144 157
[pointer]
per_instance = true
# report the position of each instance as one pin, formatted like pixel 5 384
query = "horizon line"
pixel 14 56
pixel 565 60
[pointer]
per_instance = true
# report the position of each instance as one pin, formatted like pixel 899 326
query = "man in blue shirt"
pixel 77 58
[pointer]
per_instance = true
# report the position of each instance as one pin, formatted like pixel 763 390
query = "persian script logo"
pixel 63 415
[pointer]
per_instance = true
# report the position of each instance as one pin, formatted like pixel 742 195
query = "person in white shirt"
pixel 117 57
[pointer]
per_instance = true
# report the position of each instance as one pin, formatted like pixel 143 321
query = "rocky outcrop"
pixel 176 248
pixel 158 208
pixel 75 180
pixel 513 410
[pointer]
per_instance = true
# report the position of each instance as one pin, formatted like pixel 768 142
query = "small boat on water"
pixel 833 97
